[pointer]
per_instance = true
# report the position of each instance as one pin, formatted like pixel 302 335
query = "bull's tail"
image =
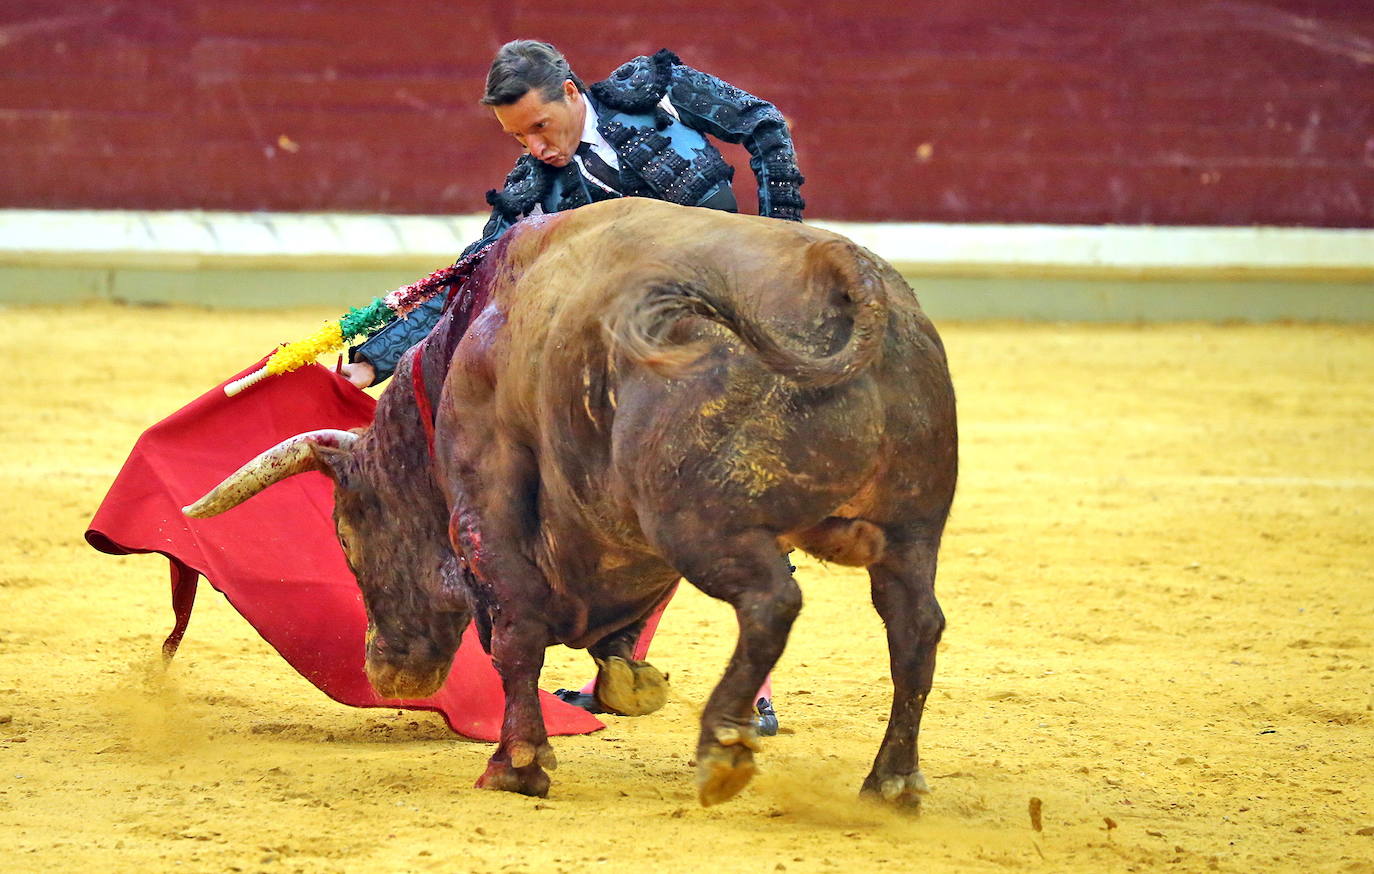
pixel 849 278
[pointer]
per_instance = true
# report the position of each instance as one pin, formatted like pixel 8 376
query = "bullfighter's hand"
pixel 360 373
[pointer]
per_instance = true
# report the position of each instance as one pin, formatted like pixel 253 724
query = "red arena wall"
pixel 1060 111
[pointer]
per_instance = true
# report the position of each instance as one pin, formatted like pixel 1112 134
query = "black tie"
pixel 604 172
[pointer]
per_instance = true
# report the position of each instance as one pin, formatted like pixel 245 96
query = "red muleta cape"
pixel 276 557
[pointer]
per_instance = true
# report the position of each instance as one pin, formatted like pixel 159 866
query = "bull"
pixel 646 392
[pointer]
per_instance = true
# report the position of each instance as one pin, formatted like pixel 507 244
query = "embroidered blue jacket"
pixel 662 157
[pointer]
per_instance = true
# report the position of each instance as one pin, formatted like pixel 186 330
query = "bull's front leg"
pixel 520 760
pixel 624 684
pixel 490 528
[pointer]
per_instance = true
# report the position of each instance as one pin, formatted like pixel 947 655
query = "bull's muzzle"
pixel 394 674
pixel 403 681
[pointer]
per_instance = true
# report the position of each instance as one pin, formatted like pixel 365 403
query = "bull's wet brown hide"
pixel 645 392
pixel 656 390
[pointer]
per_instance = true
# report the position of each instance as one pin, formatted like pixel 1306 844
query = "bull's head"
pixel 392 526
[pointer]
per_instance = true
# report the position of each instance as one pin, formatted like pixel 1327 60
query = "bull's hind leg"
pixel 904 593
pixel 747 572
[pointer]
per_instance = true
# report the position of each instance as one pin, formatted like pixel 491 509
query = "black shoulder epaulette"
pixel 638 85
pixel 525 186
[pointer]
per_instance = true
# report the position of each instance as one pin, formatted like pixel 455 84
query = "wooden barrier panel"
pixel 1172 112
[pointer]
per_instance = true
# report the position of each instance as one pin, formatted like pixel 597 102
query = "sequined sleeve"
pixel 718 108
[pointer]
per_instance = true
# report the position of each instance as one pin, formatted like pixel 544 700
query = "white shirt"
pixel 593 138
pixel 603 150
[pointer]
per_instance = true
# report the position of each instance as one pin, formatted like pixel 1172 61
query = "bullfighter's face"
pixel 550 130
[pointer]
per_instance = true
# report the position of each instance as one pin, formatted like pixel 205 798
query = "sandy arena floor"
pixel 1159 579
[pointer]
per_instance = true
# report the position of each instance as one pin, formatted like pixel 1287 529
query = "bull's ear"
pixel 338 464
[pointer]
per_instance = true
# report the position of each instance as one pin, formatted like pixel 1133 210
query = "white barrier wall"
pixel 1072 273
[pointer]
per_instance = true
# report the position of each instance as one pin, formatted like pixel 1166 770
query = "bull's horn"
pixel 287 458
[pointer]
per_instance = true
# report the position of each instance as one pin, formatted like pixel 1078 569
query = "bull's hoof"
pixel 727 766
pixel 630 688
pixel 522 770
pixel 899 790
